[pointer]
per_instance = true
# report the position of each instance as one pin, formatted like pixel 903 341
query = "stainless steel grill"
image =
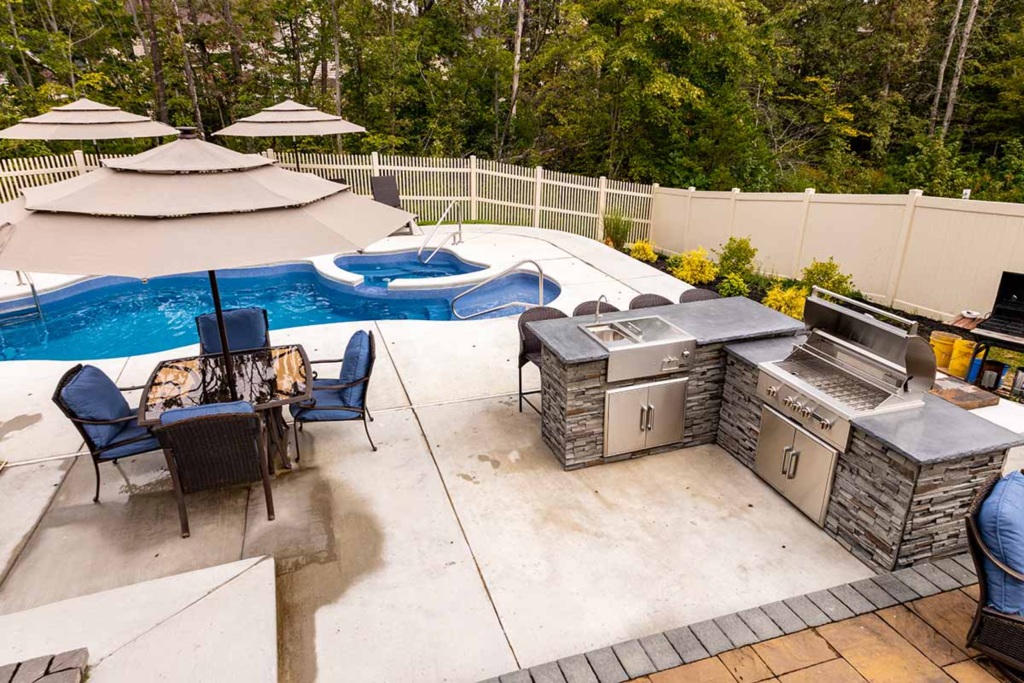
pixel 841 386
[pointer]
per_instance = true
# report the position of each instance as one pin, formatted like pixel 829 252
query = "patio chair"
pixel 342 399
pixel 993 632
pixel 648 301
pixel 385 191
pixel 530 347
pixel 213 446
pixel 697 294
pixel 101 415
pixel 590 308
pixel 247 328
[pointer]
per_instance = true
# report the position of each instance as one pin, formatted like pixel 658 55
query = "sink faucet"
pixel 597 309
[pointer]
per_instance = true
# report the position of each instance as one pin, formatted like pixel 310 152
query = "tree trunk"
pixel 21 50
pixel 156 58
pixel 958 71
pixel 950 39
pixel 138 27
pixel 234 41
pixel 336 44
pixel 516 56
pixel 190 77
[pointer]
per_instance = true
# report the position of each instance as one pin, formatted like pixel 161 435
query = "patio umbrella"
pixel 289 118
pixel 86 120
pixel 183 207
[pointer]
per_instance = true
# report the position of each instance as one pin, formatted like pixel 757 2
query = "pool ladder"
pixel 507 271
pixel 20 315
pixel 456 237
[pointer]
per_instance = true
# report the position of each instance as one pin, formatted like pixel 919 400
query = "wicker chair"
pixel 342 399
pixel 108 440
pixel 648 301
pixel 590 308
pixel 530 347
pixel 697 294
pixel 247 328
pixel 998 635
pixel 220 447
pixel 385 191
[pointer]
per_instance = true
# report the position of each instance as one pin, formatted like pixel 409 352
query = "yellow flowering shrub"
pixel 643 251
pixel 693 266
pixel 733 285
pixel 788 300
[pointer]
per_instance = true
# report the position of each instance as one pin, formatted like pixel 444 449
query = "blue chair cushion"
pixel 323 397
pixel 1001 526
pixel 230 408
pixel 246 329
pixel 355 366
pixel 91 395
pixel 131 431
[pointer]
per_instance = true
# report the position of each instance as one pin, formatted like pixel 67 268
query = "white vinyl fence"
pixel 928 255
pixel 485 190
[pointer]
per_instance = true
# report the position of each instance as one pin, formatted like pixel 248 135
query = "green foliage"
pixel 737 257
pixel 827 275
pixel 616 228
pixel 643 251
pixel 789 300
pixel 733 285
pixel 693 267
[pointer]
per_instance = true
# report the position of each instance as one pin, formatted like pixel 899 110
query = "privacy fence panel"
pixel 928 255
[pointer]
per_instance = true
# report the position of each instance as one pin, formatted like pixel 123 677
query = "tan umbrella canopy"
pixel 290 118
pixel 183 207
pixel 86 120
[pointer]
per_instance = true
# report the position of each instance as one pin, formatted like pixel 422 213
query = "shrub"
pixel 693 266
pixel 736 256
pixel 788 300
pixel 616 228
pixel 643 251
pixel 733 285
pixel 758 285
pixel 826 274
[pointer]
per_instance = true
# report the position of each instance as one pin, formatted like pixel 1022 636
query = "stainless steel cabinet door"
pixel 666 408
pixel 773 449
pixel 809 475
pixel 625 420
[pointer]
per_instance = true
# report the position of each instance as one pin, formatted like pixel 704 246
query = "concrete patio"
pixel 460 550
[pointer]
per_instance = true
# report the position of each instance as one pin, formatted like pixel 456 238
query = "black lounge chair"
pixel 697 294
pixel 590 308
pixel 247 328
pixel 530 346
pixel 106 423
pixel 342 399
pixel 213 446
pixel 998 635
pixel 648 301
pixel 385 191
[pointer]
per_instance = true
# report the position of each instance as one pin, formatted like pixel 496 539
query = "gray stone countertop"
pixel 711 322
pixel 938 432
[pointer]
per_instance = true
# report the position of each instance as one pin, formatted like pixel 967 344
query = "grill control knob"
pixel 797 406
pixel 788 401
pixel 772 391
pixel 807 411
pixel 824 425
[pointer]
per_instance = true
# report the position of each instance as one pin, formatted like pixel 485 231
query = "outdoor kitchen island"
pixel 683 391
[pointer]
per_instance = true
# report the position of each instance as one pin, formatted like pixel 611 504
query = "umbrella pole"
pixel 229 365
pixel 295 151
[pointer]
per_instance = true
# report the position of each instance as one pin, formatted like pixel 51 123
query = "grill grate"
pixel 842 387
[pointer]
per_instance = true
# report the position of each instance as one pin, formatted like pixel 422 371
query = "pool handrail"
pixel 440 221
pixel 507 271
pixel 36 312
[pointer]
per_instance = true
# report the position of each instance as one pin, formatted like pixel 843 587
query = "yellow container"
pixel 942 345
pixel 960 360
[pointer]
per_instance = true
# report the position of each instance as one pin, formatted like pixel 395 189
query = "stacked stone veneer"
pixel 887 510
pixel 67 667
pixel 573 400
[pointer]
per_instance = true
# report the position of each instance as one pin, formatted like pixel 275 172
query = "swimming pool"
pixel 380 269
pixel 110 317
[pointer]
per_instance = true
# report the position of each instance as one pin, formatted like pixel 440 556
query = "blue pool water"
pixel 380 269
pixel 112 317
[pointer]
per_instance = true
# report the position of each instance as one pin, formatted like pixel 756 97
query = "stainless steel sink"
pixel 642 346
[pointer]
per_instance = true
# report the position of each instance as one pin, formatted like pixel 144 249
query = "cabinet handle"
pixel 785 459
pixel 650 418
pixel 792 464
pixel 643 418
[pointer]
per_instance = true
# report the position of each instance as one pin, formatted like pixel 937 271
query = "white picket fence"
pixel 485 190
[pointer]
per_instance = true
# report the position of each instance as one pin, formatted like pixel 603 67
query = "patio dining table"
pixel 268 378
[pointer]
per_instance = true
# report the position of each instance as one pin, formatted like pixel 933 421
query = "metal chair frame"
pixel 80 423
pixel 364 412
